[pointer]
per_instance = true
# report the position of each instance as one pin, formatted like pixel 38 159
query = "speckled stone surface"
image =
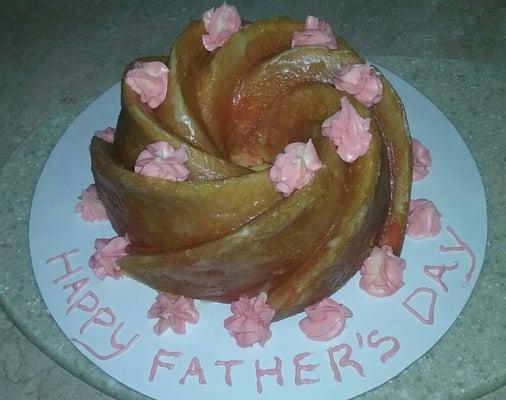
pixel 58 56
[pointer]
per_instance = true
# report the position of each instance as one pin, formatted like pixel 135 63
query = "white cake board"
pixel 453 184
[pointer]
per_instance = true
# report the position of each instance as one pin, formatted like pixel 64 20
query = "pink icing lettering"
pixel 76 288
pixel 390 353
pixel 68 268
pixel 429 320
pixel 360 340
pixel 117 345
pixel 158 363
pixel 303 367
pixel 462 246
pixel 81 303
pixel 99 321
pixel 276 371
pixel 228 368
pixel 344 362
pixel 120 347
pixel 440 270
pixel 194 369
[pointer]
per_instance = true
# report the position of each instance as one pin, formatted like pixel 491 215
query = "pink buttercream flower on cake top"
pixel 424 219
pixel 349 132
pixel 149 80
pixel 174 312
pixel 295 167
pixel 382 272
pixel 107 252
pixel 421 160
pixel 250 321
pixel 316 33
pixel 90 206
pixel 220 24
pixel 106 134
pixel 325 320
pixel 161 160
pixel 360 80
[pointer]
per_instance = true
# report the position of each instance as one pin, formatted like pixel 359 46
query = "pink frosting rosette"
pixel 220 25
pixel 349 132
pixel 107 252
pixel 325 320
pixel 90 206
pixel 316 33
pixel 361 81
pixel 106 134
pixel 161 160
pixel 173 312
pixel 421 160
pixel 295 167
pixel 424 219
pixel 149 80
pixel 250 321
pixel 382 272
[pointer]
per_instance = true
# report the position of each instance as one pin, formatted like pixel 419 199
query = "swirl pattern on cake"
pixel 225 232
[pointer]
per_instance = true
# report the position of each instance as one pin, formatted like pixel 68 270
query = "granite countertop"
pixel 58 56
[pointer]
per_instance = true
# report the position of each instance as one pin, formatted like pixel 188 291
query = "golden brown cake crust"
pixel 226 232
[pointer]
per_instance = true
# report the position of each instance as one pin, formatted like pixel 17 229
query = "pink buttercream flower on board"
pixel 424 219
pixel 295 168
pixel 325 320
pixel 220 23
pixel 107 252
pixel 106 134
pixel 250 321
pixel 349 132
pixel 361 81
pixel 316 33
pixel 161 160
pixel 173 312
pixel 421 160
pixel 149 80
pixel 382 272
pixel 90 206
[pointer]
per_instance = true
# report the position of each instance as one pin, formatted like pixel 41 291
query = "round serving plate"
pixel 107 320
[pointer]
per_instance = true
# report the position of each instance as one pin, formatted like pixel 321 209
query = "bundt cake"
pixel 220 225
